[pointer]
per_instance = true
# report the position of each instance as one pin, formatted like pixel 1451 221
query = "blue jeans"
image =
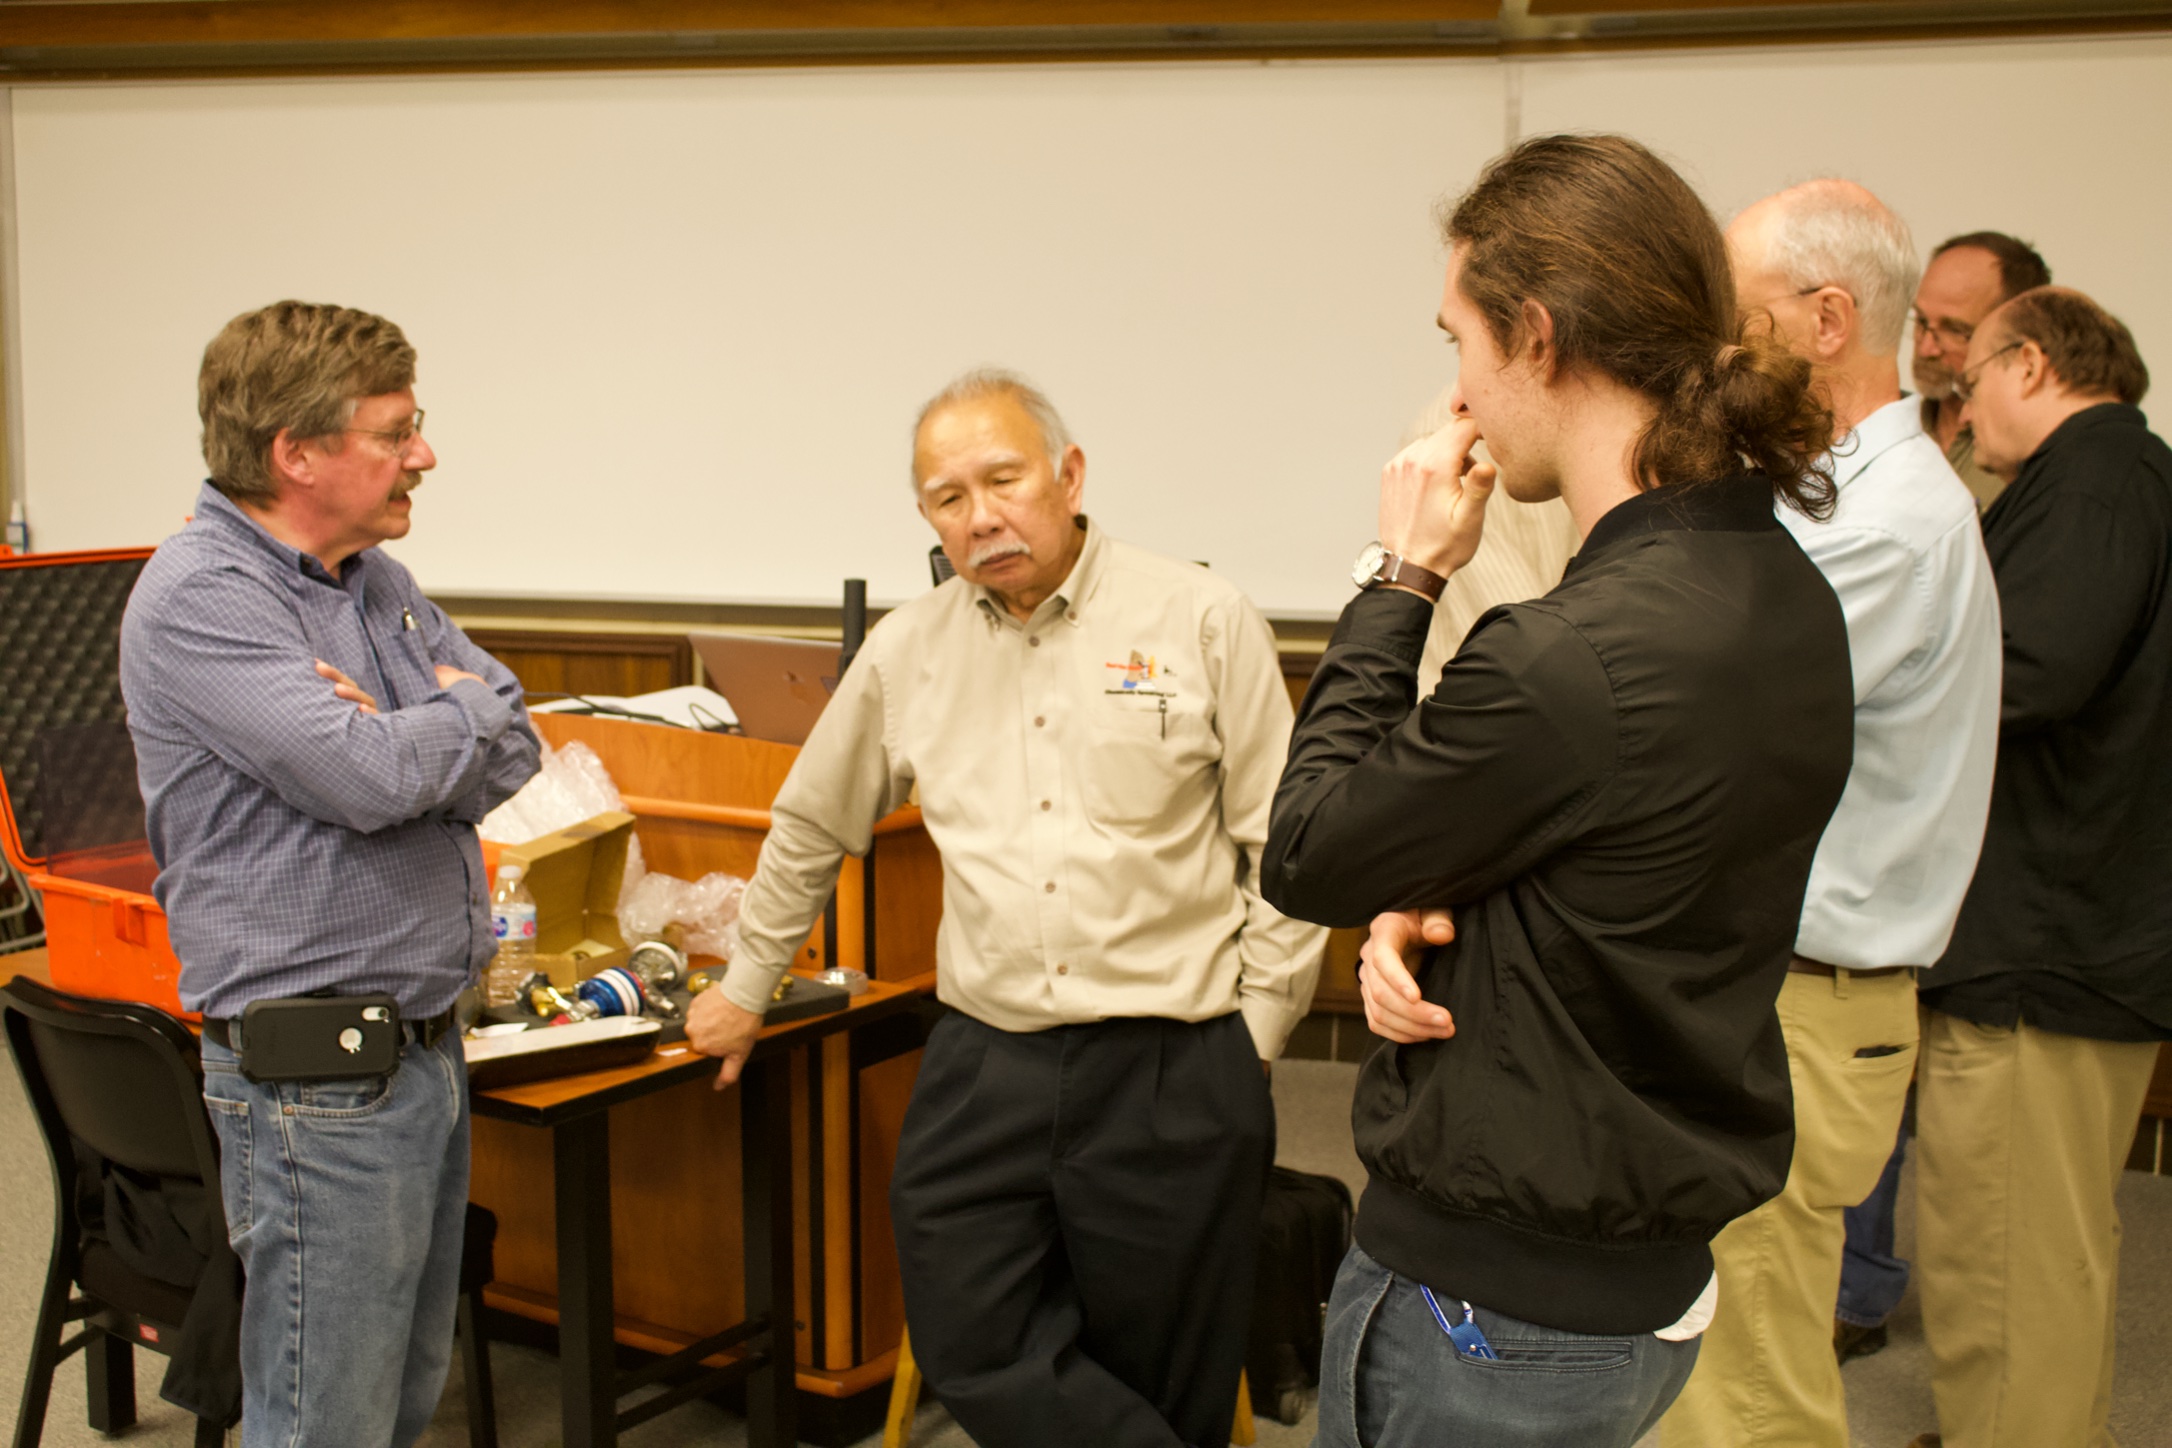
pixel 346 1202
pixel 1872 1279
pixel 1390 1378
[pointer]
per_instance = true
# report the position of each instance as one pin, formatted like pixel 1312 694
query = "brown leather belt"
pixel 1800 965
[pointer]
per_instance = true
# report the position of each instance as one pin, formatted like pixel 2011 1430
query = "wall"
pixel 674 326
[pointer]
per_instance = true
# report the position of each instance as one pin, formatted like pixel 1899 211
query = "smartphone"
pixel 321 1038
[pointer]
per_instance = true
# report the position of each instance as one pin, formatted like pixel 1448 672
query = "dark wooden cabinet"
pixel 566 661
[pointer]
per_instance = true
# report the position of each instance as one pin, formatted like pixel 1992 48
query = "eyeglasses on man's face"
pixel 1964 381
pixel 397 438
pixel 1766 304
pixel 1950 334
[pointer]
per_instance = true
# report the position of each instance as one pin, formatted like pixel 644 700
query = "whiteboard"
pixel 674 328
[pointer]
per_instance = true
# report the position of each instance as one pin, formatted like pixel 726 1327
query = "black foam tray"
pixel 60 664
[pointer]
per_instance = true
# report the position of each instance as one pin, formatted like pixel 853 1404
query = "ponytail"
pixel 1750 407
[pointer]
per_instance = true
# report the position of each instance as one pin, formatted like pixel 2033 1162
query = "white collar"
pixel 1882 431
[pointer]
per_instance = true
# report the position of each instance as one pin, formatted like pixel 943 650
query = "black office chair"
pixel 477 1267
pixel 117 1090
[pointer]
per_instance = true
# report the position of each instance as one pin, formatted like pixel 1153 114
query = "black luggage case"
pixel 1304 1232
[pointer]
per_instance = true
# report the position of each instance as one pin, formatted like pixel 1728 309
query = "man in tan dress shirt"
pixel 1095 734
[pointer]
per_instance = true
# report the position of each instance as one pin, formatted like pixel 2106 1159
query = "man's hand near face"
pixel 1394 1007
pixel 1433 499
pixel 717 1027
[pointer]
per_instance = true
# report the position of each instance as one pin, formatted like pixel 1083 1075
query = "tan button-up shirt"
pixel 1098 781
pixel 1983 484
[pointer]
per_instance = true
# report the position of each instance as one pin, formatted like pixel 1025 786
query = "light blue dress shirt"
pixel 1905 555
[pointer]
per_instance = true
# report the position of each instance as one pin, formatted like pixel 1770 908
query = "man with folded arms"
pixel 2047 1009
pixel 1829 269
pixel 1095 733
pixel 317 743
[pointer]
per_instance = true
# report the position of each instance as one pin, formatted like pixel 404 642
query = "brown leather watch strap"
pixel 1400 571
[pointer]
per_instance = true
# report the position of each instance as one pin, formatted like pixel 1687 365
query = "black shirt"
pixel 1619 788
pixel 2068 922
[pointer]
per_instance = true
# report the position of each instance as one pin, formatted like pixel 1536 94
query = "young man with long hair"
pixel 1584 855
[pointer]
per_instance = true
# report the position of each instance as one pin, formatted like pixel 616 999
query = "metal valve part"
pixel 660 966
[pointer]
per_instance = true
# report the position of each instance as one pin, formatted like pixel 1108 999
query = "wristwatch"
pixel 1376 565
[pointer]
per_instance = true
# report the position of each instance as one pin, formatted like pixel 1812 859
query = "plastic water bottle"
pixel 512 922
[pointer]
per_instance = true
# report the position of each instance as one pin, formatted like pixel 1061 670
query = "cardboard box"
pixel 575 875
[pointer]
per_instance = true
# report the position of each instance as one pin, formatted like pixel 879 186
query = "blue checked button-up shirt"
pixel 302 844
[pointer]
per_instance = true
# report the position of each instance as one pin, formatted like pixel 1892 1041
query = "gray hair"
pixel 999 382
pixel 1833 233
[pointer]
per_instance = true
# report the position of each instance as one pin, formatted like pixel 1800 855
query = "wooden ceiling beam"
pixel 72 23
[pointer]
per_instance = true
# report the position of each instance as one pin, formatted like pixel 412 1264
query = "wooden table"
pixel 576 1111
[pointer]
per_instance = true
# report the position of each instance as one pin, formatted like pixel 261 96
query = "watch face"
pixel 1367 566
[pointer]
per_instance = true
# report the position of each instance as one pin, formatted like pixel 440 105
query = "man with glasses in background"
pixel 2045 1013
pixel 1966 277
pixel 316 743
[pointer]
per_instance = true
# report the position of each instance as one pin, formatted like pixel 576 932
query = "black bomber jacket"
pixel 1619 788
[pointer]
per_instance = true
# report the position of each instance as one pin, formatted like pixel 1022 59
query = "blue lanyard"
pixel 1469 1341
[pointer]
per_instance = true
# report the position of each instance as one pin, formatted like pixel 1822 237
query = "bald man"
pixel 1831 270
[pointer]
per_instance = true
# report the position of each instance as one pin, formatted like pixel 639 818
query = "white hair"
pixel 998 382
pixel 1833 233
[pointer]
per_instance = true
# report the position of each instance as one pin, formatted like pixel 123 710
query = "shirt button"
pixel 1072 615
pixel 1049 888
pixel 1038 721
pixel 1063 970
pixel 1044 804
pixel 1034 642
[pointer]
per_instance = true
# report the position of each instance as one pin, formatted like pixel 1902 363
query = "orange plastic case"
pixel 109 943
pixel 59 666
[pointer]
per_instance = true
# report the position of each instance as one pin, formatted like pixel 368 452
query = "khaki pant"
pixel 1767 1374
pixel 2021 1136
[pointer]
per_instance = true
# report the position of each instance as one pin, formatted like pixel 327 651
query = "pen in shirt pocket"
pixel 407 619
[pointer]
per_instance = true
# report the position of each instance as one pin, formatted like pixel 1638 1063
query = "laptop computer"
pixel 776 686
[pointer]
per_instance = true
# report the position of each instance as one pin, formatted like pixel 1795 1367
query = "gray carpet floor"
pixel 1889 1399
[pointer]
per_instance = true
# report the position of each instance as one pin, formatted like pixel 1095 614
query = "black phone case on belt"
pixel 321 1038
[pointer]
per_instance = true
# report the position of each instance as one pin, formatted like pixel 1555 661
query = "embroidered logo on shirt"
pixel 1141 671
pixel 1140 675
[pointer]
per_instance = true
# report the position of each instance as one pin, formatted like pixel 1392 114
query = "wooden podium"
pixel 701 803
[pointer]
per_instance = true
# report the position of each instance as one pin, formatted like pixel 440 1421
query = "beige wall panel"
pixel 674 327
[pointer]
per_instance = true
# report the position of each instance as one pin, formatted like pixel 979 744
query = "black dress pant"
pixel 1077 1215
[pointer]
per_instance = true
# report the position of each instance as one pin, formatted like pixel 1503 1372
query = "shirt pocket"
pixel 1148 763
pixel 413 672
